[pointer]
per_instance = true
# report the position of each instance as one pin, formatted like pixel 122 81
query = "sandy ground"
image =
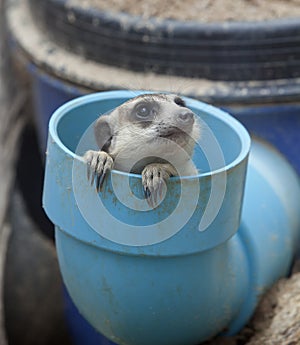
pixel 205 11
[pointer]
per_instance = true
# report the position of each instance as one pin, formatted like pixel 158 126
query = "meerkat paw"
pixel 154 176
pixel 99 163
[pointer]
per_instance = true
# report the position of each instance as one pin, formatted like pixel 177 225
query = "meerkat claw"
pixel 147 193
pixel 154 177
pixel 98 180
pixel 101 178
pixel 99 163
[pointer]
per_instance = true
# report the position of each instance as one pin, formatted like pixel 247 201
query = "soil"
pixel 276 320
pixel 206 11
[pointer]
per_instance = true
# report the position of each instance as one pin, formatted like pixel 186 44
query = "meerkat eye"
pixel 143 110
pixel 179 101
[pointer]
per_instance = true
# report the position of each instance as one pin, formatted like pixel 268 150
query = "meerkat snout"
pixel 185 118
pixel 151 134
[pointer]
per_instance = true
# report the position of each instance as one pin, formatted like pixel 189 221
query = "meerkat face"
pixel 150 125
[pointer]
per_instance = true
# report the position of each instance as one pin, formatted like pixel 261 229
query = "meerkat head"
pixel 148 128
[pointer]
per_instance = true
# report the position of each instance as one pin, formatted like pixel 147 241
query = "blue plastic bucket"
pixel 205 267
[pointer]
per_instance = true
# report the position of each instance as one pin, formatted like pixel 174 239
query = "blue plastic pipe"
pixel 189 269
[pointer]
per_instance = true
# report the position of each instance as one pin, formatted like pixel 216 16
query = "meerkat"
pixel 143 136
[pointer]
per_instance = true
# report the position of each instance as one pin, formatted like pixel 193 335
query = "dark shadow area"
pixel 34 307
pixel 30 175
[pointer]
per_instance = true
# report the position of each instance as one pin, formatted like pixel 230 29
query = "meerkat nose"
pixel 186 117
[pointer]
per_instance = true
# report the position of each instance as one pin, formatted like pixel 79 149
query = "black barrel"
pixel 218 51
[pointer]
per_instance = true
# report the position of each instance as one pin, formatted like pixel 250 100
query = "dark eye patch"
pixel 179 101
pixel 144 113
pixel 143 110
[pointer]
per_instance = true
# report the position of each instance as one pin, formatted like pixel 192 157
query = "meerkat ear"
pixel 103 133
